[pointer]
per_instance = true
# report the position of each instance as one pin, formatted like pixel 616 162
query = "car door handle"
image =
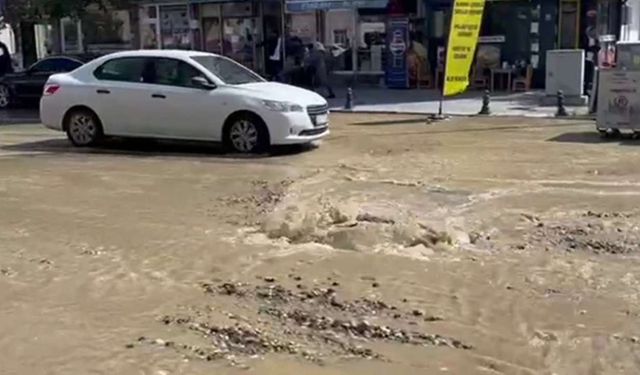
pixel 102 91
pixel 158 96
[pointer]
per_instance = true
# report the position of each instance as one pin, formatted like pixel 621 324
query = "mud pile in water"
pixel 312 323
pixel 353 225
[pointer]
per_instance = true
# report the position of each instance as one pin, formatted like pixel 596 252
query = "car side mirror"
pixel 202 83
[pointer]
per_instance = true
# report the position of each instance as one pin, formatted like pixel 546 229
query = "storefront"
pixel 237 29
pixel 166 26
pixel 354 31
pixel 515 34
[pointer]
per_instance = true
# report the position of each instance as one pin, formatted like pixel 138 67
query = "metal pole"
pixel 354 44
pixel 283 36
pixel 444 67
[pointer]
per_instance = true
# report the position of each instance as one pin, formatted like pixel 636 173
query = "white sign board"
pixel 619 100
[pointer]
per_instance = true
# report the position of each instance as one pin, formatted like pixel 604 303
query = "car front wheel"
pixel 83 128
pixel 247 134
pixel 5 97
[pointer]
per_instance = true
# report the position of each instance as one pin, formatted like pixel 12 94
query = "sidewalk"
pixel 374 99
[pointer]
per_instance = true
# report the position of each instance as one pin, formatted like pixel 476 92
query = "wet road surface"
pixel 468 246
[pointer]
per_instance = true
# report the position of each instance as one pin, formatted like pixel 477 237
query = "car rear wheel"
pixel 247 134
pixel 5 97
pixel 83 128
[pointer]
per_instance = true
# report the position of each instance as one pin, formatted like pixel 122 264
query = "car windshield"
pixel 229 71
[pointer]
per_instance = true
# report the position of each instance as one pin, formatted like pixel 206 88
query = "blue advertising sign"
pixel 397 69
pixel 297 6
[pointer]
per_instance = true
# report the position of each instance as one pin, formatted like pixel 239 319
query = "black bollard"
pixel 486 102
pixel 349 102
pixel 562 111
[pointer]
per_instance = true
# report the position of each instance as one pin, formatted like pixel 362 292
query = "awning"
pixel 297 6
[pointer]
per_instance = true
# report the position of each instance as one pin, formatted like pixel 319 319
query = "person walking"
pixel 318 62
pixel 6 64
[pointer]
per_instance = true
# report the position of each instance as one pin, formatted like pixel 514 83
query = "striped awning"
pixel 297 6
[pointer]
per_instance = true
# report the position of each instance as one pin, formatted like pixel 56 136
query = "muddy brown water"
pixel 518 238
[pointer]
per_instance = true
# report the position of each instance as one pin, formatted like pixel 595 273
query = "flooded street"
pixel 472 246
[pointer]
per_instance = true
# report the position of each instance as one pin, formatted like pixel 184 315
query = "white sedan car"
pixel 180 95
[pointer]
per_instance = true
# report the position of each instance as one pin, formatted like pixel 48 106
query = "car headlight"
pixel 282 106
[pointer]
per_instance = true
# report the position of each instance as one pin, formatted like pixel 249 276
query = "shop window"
pixel 238 40
pixel 212 34
pixel 339 27
pixel 509 24
pixel 71 35
pixel 340 37
pixel 174 27
pixel 152 12
pixel 149 28
pixel 371 43
pixel 111 27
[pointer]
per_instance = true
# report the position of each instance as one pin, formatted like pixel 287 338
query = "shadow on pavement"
pixel 151 147
pixel 591 137
pixel 433 128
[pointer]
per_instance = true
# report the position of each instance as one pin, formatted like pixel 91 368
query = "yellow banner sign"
pixel 463 39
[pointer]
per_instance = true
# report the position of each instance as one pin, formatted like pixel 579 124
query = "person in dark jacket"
pixel 6 64
pixel 317 60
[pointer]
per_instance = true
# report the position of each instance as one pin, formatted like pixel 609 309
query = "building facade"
pixel 513 32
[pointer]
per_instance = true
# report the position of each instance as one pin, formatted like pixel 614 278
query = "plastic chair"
pixel 523 83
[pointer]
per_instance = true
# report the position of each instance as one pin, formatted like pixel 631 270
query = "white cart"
pixel 619 93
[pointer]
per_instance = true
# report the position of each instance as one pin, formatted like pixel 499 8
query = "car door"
pixel 118 96
pixel 31 84
pixel 179 108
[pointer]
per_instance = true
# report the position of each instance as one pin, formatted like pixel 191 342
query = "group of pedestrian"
pixel 303 65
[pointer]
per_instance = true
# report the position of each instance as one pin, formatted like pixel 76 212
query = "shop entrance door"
pixel 211 28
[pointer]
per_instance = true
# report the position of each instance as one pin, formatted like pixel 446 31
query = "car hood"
pixel 281 92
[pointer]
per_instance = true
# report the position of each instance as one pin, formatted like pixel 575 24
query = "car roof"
pixel 177 54
pixel 82 58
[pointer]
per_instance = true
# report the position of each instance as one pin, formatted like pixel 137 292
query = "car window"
pixel 55 65
pixel 127 69
pixel 227 70
pixel 173 72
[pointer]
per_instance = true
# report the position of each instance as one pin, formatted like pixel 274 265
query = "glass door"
pixel 211 28
pixel 149 27
pixel 212 34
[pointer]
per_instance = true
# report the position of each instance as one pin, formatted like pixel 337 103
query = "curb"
pixel 409 113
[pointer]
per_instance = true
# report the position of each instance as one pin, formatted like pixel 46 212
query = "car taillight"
pixel 51 89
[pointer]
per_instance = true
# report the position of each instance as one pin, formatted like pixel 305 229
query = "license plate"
pixel 322 120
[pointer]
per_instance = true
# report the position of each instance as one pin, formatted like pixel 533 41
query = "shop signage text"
pixel 297 6
pixel 463 40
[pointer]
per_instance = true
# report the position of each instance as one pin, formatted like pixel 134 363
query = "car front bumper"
pixel 296 127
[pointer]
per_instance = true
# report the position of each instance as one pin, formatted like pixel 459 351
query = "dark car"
pixel 27 86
